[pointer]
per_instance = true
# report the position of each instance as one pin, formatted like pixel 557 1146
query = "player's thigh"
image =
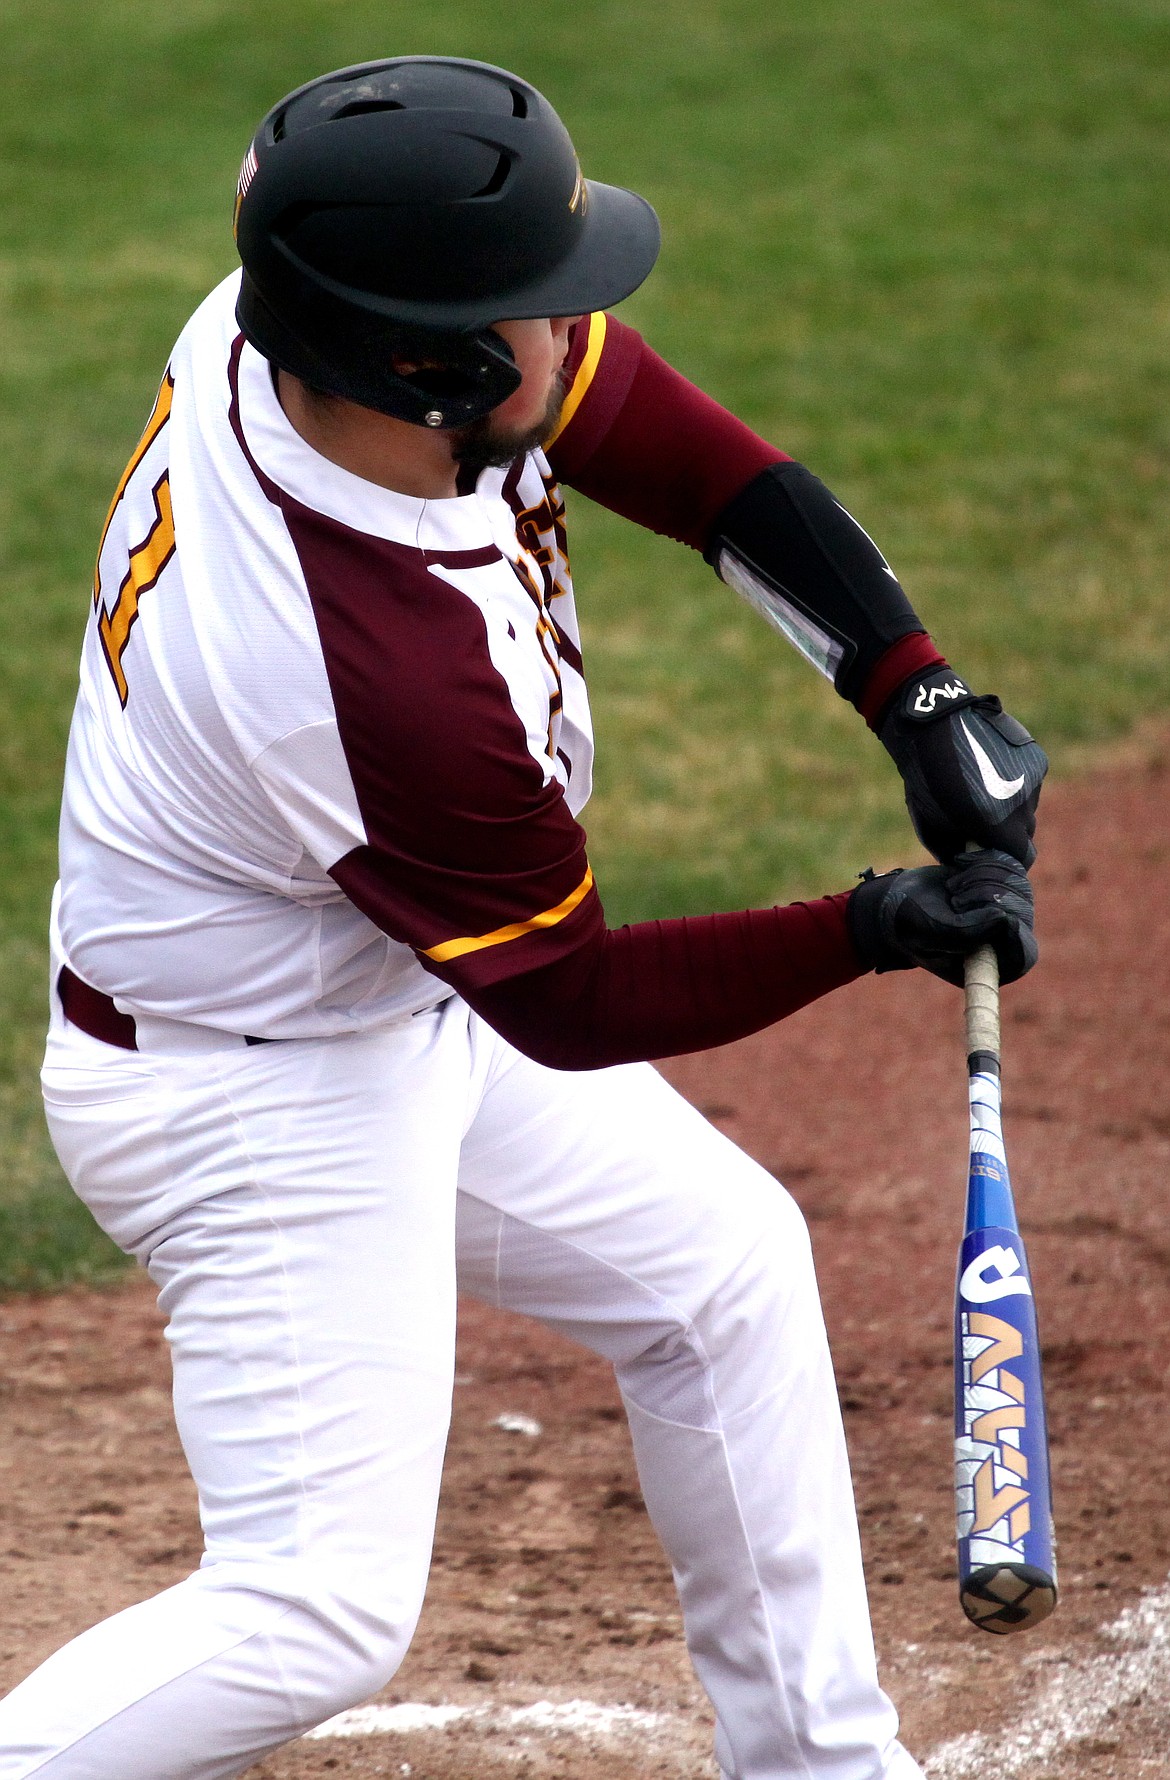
pixel 295 1205
pixel 603 1203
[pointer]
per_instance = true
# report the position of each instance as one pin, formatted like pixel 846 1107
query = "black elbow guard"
pixel 806 565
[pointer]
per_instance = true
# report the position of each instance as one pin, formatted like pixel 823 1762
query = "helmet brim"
pixel 614 253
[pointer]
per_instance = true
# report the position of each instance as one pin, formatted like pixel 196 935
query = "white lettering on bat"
pixel 1006 1280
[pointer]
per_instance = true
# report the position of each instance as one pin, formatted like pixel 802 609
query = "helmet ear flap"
pixel 455 378
pixel 461 376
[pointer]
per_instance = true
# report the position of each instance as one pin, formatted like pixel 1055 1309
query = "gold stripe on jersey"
pixel 147 562
pixel 459 948
pixel 586 371
pixel 159 415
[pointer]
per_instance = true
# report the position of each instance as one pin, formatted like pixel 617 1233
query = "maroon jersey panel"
pixel 477 863
pixel 472 858
pixel 645 442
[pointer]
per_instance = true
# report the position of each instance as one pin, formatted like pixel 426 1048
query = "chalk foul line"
pixel 1080 1700
pixel 582 1718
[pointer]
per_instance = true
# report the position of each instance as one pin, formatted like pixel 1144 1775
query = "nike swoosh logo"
pixel 865 534
pixel 991 780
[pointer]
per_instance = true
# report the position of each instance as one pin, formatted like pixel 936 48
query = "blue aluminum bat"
pixel 1003 1503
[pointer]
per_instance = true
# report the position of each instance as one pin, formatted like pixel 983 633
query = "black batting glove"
pixel 971 772
pixel 936 915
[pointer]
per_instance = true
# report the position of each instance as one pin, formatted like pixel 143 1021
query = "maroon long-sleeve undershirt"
pixel 648 444
pixel 662 988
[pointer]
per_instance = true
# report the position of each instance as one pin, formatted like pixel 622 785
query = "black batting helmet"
pixel 394 210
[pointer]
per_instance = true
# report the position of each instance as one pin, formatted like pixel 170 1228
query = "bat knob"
pixel 1007 1597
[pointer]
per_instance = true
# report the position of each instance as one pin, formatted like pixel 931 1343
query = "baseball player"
pixel 336 1011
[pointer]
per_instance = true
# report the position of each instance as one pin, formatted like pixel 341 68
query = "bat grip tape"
pixel 981 979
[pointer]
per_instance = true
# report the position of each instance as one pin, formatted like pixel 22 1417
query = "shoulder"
pixel 603 360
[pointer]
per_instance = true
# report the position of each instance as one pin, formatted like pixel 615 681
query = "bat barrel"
pixel 1007 1571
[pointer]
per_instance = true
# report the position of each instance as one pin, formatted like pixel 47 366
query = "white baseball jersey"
pixel 328 753
pixel 290 671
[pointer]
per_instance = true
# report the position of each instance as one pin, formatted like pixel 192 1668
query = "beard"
pixel 485 445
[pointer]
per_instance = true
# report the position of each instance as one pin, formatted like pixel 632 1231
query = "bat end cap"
pixel 1002 1598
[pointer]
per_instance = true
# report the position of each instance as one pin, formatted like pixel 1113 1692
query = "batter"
pixel 338 1022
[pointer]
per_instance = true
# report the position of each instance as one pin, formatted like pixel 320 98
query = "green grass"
pixel 922 244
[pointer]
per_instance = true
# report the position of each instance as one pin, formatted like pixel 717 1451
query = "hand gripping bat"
pixel 1003 1506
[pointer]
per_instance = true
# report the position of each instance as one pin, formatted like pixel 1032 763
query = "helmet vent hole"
pixel 519 103
pixel 299 117
pixel 360 107
pixel 437 382
pixel 496 182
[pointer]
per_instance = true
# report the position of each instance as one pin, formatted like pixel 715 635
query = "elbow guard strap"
pixel 806 565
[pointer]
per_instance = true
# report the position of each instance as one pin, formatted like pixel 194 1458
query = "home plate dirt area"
pixel 551 1642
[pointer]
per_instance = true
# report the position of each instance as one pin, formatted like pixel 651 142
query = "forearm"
pixel 971 772
pixel 645 442
pixel 662 988
pixel 786 543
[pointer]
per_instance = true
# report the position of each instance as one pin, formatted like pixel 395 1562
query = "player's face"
pixel 530 412
pixel 539 348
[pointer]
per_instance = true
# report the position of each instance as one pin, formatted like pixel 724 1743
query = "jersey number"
pixel 147 559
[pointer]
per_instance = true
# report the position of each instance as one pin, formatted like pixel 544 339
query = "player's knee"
pixel 341 1636
pixel 766 1273
pixel 747 1320
pixel 355 1650
pixel 350 1674
pixel 761 1248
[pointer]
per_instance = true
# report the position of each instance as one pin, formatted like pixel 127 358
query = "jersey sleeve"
pixel 637 437
pixel 468 852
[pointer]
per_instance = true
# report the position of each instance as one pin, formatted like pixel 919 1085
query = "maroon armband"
pixel 914 654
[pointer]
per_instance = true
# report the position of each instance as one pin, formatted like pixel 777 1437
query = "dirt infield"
pixel 549 1589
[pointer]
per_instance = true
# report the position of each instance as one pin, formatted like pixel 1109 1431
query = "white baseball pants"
pixel 301 1206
